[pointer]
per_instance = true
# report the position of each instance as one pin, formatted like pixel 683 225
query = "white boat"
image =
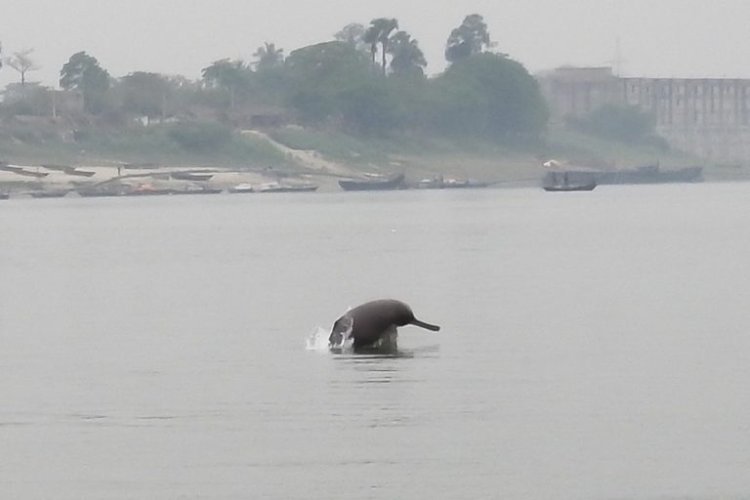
pixel 276 187
pixel 242 188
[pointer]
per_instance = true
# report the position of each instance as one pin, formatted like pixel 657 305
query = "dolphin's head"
pixel 340 331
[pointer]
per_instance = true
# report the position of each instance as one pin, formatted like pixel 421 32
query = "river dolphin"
pixel 373 325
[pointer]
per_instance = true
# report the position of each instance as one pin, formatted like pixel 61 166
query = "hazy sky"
pixel 669 38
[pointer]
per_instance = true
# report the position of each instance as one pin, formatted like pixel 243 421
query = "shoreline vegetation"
pixel 360 104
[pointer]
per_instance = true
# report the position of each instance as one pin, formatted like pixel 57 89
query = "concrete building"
pixel 709 117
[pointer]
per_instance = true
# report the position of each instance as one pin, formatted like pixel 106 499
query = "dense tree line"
pixel 369 80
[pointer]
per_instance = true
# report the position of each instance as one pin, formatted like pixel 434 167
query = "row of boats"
pixel 369 182
pixel 39 174
pixel 151 190
pixel 559 178
pixel 377 182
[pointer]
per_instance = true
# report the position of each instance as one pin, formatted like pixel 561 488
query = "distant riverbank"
pixel 299 155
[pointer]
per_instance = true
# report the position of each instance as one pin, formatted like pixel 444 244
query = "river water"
pixel 593 345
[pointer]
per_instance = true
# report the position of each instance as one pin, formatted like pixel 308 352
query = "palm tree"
pixel 268 56
pixel 371 38
pixel 380 32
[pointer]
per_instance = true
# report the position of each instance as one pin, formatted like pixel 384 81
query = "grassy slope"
pixel 418 156
pixel 424 156
pixel 148 146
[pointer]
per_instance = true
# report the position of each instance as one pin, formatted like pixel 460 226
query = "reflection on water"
pixel 592 346
pixel 375 368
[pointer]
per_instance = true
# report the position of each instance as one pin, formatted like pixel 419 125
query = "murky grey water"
pixel 594 345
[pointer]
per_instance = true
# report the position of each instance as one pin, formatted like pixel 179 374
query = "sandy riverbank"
pixel 18 180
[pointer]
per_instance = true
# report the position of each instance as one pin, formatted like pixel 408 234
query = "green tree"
pixel 230 76
pixel 470 38
pixel 368 108
pixel 82 72
pixel 407 59
pixel 379 32
pixel 489 95
pixel 145 93
pixel 354 35
pixel 22 62
pixel 268 57
pixel 182 93
pixel 322 76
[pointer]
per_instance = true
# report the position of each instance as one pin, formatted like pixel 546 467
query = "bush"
pixel 623 124
pixel 200 137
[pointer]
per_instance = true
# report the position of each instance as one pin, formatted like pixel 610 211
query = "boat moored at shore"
pixel 277 187
pixel 440 182
pixel 561 188
pixel 374 182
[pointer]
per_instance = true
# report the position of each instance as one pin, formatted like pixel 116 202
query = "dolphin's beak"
pixel 427 326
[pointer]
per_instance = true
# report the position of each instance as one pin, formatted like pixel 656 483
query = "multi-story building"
pixel 709 117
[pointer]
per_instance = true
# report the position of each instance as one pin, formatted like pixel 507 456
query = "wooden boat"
pixel 200 190
pixel 191 176
pixel 36 173
pixel 141 191
pixel 97 193
pixel 468 183
pixel 450 183
pixel 67 169
pixel 49 194
pixel 117 189
pixel 54 166
pixel 556 188
pixel 373 183
pixel 22 171
pixel 80 173
pixel 107 188
pixel 565 180
pixel 275 187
